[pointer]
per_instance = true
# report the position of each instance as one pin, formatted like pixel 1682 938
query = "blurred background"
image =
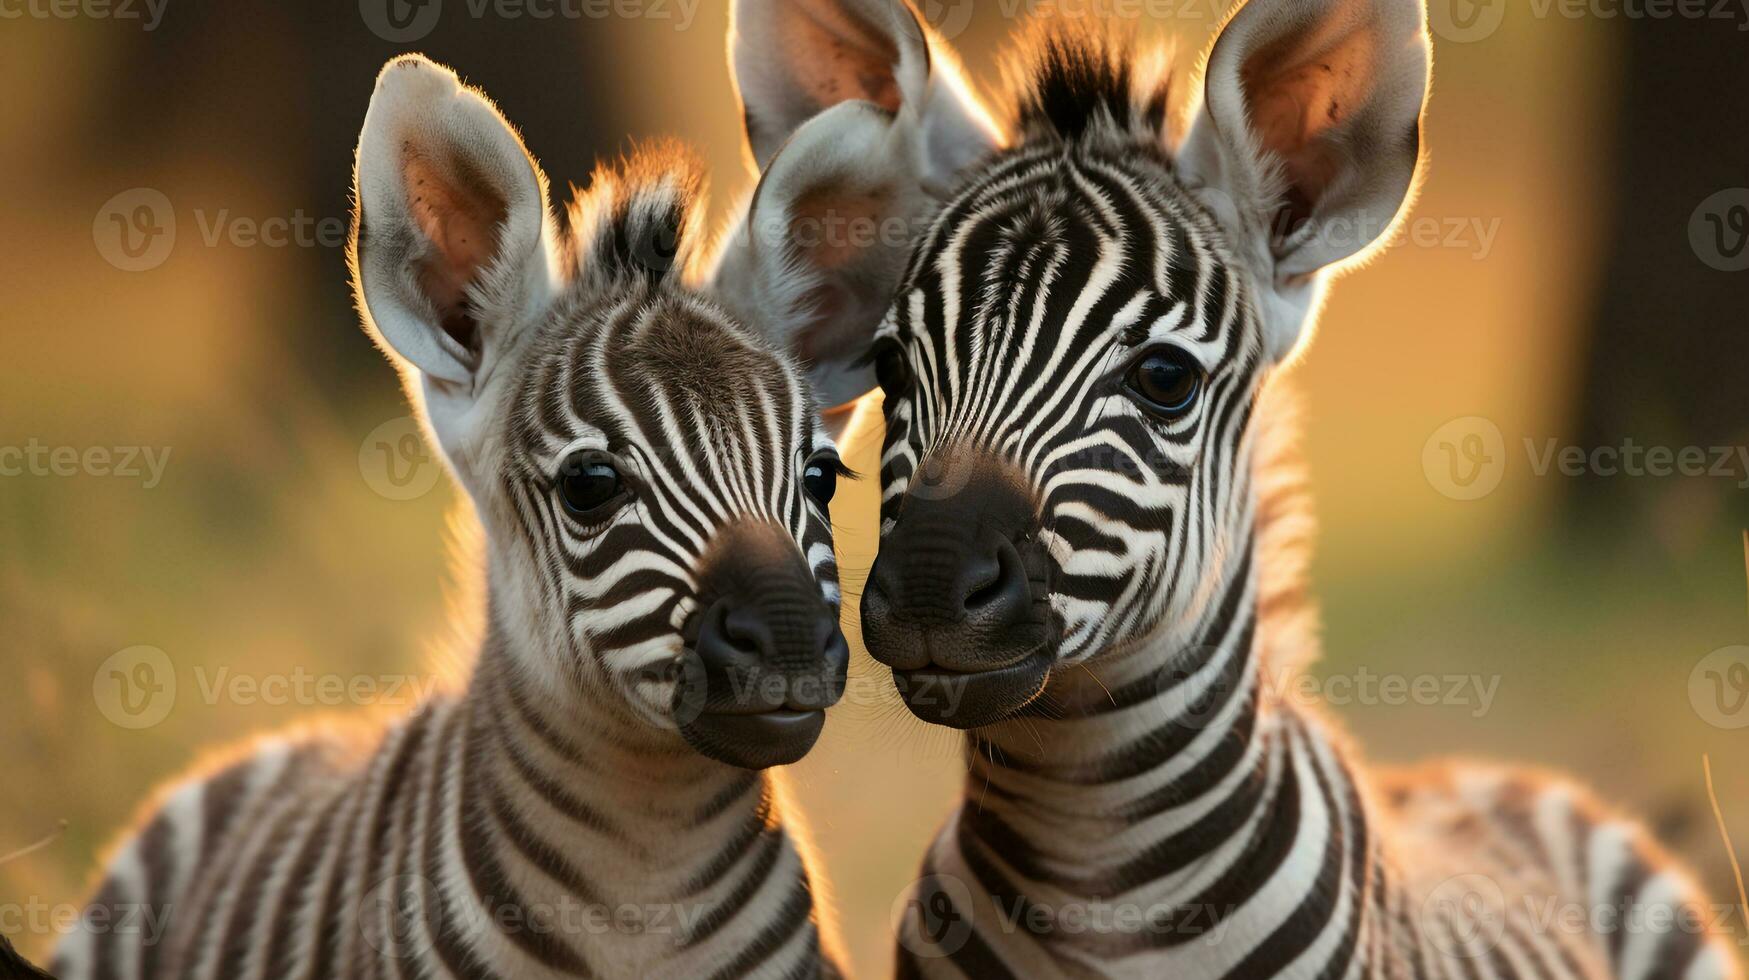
pixel 210 468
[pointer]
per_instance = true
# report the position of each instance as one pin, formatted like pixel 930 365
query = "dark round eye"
pixel 820 477
pixel 1166 379
pixel 891 369
pixel 589 484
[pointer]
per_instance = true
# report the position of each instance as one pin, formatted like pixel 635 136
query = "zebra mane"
pixel 1071 77
pixel 1288 624
pixel 639 217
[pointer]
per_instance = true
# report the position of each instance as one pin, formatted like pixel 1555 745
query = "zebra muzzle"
pixel 957 602
pixel 765 655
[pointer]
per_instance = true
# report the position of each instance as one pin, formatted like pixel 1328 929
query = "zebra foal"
pixel 1091 536
pixel 660 621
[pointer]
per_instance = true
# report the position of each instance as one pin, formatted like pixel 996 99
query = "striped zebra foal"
pixel 660 623
pixel 1091 539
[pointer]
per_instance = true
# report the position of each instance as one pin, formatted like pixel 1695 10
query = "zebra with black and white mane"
pixel 661 619
pixel 1091 538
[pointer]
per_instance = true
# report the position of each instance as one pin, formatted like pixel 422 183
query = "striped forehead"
pixel 665 376
pixel 1089 244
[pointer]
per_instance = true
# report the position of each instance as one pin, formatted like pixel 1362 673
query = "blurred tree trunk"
pixel 273 95
pixel 1668 357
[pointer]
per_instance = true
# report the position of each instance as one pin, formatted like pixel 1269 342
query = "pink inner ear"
pixel 462 224
pixel 834 228
pixel 1300 91
pixel 854 61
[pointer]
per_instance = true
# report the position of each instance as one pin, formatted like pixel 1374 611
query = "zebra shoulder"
pixel 1546 846
pixel 180 837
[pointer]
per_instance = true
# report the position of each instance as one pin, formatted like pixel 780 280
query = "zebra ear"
pixel 796 58
pixel 1309 136
pixel 822 243
pixel 451 248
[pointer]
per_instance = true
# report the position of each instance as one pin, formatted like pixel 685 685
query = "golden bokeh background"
pixel 266 547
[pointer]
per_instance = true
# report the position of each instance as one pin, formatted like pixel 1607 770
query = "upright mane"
pixel 639 217
pixel 1073 77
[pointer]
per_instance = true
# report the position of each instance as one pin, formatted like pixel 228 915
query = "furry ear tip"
pixel 416 76
pixel 411 59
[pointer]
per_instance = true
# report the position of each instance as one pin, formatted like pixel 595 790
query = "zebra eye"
pixel 1166 380
pixel 820 477
pixel 891 369
pixel 589 485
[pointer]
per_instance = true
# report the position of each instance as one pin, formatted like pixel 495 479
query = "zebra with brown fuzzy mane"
pixel 659 626
pixel 1083 522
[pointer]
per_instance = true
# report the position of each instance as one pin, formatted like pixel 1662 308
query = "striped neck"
pixel 642 789
pixel 615 847
pixel 1165 782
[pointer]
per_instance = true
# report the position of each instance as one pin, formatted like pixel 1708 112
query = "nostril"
pixel 729 634
pixel 1000 581
pixel 745 631
pixel 986 593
